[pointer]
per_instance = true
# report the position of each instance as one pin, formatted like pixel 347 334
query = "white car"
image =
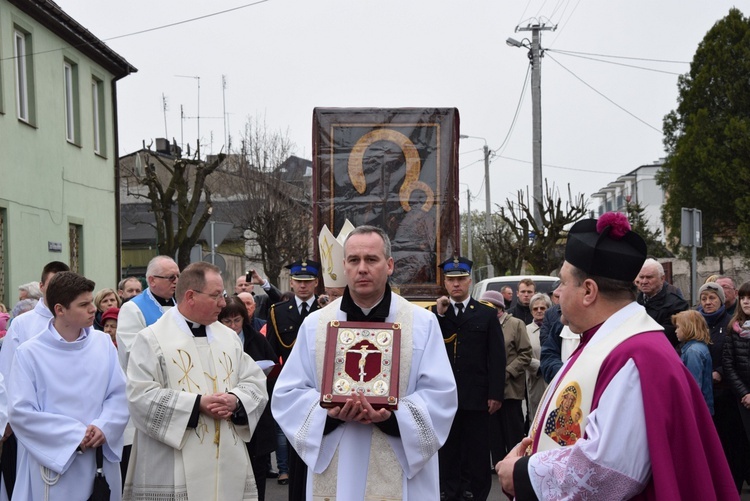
pixel 543 283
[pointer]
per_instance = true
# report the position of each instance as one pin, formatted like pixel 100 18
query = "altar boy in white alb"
pixel 66 396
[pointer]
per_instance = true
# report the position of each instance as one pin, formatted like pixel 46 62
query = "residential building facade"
pixel 636 187
pixel 58 146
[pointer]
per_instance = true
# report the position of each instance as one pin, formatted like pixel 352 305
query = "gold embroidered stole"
pixel 384 472
pixel 210 450
pixel 564 420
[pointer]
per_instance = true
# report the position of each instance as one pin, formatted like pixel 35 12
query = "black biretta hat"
pixel 606 247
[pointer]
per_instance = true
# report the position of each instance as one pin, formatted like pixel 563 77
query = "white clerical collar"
pixel 186 323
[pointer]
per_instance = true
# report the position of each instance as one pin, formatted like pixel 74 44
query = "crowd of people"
pixel 601 388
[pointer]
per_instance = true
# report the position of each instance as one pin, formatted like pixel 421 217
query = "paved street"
pixel 276 492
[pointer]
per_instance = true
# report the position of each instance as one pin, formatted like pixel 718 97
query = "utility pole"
pixel 488 212
pixel 224 101
pixel 468 225
pixel 197 79
pixel 535 55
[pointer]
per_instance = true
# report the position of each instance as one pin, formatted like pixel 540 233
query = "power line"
pixel 605 97
pixel 620 57
pixel 614 62
pixel 177 23
pixel 471 151
pixel 566 21
pixel 557 7
pixel 524 12
pixel 472 163
pixel 540 8
pixel 563 168
pixel 155 28
pixel 518 109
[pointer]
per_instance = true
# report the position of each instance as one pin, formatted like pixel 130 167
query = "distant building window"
pixel 75 237
pixel 72 120
pixel 97 106
pixel 21 51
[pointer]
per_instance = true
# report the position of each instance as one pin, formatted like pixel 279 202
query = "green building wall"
pixel 46 182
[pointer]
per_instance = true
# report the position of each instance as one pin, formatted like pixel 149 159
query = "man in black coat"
pixel 660 301
pixel 283 325
pixel 522 309
pixel 476 349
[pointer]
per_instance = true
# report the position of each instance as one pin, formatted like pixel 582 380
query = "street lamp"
pixel 468 223
pixel 488 213
pixel 512 42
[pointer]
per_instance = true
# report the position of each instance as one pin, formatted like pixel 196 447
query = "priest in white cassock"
pixel 195 397
pixel 355 452
pixel 67 397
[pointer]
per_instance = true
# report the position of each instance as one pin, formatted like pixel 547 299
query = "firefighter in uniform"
pixel 284 320
pixel 476 349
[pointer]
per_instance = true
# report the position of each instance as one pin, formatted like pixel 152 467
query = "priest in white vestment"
pixel 67 397
pixel 355 452
pixel 195 397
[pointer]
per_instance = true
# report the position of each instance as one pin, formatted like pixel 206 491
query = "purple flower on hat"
pixel 618 222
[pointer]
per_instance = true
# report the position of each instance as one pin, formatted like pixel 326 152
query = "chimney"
pixel 162 146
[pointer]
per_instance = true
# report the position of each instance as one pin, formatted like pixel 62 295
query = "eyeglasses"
pixel 171 278
pixel 539 308
pixel 232 321
pixel 216 297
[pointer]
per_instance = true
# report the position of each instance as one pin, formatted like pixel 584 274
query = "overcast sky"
pixel 282 58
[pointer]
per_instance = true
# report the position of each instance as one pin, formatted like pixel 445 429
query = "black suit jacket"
pixel 283 324
pixel 264 436
pixel 263 302
pixel 476 350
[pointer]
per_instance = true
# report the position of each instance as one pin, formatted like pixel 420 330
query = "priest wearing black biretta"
pixel 623 389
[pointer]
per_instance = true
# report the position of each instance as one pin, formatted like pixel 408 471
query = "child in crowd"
pixel 109 323
pixel 693 331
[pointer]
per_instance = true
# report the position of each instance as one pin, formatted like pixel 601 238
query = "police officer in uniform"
pixel 284 322
pixel 476 349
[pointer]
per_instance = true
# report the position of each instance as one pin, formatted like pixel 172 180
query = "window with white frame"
pixel 72 123
pixel 97 106
pixel 20 53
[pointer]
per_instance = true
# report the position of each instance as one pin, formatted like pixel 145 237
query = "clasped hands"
pixel 359 410
pixel 219 405
pixel 504 468
pixel 94 437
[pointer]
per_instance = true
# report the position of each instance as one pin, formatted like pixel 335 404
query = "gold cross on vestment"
pixel 186 365
pixel 217 423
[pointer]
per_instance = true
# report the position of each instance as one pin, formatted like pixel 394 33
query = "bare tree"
pixel 505 251
pixel 179 198
pixel 542 245
pixel 276 215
